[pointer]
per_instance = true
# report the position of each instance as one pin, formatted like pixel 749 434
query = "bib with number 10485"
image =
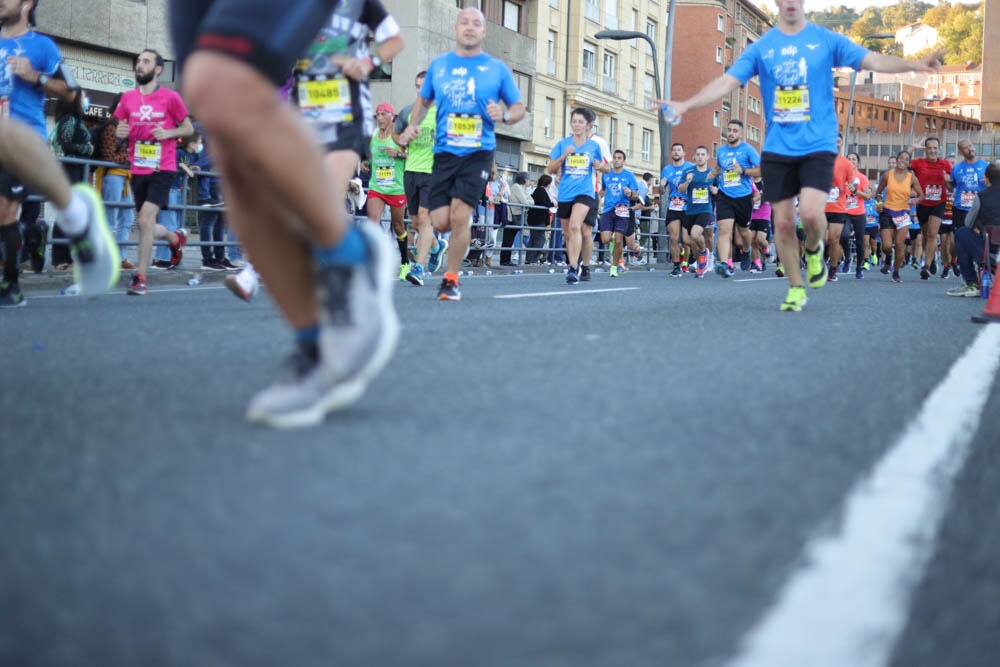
pixel 147 154
pixel 791 104
pixel 577 164
pixel 465 130
pixel 326 100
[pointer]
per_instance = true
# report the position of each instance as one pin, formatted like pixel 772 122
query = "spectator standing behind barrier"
pixel 518 195
pixel 984 211
pixel 114 183
pixel 538 219
pixel 172 218
pixel 211 223
pixel 70 138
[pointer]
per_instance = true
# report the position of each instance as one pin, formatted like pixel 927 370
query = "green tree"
pixel 962 36
pixel 904 13
pixel 937 16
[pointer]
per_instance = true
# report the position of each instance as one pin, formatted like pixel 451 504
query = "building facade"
pixel 959 89
pixel 709 35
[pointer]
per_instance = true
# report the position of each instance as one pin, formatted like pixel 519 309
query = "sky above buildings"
pixel 857 5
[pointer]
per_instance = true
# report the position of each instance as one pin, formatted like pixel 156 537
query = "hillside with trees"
pixel 959 26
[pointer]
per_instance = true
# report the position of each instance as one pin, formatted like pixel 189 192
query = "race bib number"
pixel 147 154
pixel 871 221
pixel 4 107
pixel 731 178
pixel 834 196
pixel 578 164
pixel 677 203
pixel 901 220
pixel 622 210
pixel 791 104
pixel 465 130
pixel 699 196
pixel 385 176
pixel 932 193
pixel 327 101
pixel 967 198
pixel 852 202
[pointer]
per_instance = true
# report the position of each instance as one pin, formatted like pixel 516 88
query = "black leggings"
pixel 857 223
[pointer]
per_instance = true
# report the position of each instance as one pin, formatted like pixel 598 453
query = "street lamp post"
pixel 664 127
pixel 916 108
pixel 854 80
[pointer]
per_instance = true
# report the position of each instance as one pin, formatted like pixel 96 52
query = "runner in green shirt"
pixel 416 182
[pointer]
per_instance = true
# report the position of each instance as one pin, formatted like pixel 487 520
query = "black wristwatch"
pixel 42 80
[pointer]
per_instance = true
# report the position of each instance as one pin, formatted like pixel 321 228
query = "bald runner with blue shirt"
pixel 794 62
pixel 467 85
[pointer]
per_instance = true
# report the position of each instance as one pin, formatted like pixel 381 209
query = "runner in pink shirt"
pixel 152 118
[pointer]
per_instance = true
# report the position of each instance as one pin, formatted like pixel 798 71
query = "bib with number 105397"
pixel 791 104
pixel 326 100
pixel 465 130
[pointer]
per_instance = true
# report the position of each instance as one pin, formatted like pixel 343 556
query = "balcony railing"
pixel 590 77
pixel 552 67
pixel 609 84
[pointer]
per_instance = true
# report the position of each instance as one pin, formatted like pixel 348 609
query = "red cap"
pixel 385 106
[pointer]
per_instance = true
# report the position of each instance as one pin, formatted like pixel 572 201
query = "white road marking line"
pixel 570 292
pixel 755 280
pixel 849 601
pixel 160 290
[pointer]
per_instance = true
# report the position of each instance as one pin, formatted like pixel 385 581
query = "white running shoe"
pixel 243 284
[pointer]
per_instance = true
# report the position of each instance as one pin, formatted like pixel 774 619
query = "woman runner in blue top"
pixel 575 158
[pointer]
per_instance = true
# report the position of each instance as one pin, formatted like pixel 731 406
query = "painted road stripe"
pixel 564 293
pixel 849 601
pixel 117 293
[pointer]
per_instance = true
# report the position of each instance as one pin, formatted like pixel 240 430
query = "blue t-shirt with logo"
pixel 732 182
pixel 614 185
pixel 462 86
pixel 796 83
pixel 699 192
pixel 578 169
pixel 871 213
pixel 968 180
pixel 673 175
pixel 26 100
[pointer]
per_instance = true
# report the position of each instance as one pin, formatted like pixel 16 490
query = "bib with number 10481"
pixel 147 154
pixel 791 104
pixel 465 130
pixel 326 100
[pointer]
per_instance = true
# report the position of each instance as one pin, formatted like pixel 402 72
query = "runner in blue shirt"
pixel 28 65
pixel 467 84
pixel 795 62
pixel 621 191
pixel 738 164
pixel 575 158
pixel 967 177
pixel 674 203
pixel 699 188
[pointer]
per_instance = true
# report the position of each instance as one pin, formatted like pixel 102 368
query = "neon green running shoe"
pixel 795 300
pixel 613 271
pixel 816 267
pixel 403 270
pixel 96 261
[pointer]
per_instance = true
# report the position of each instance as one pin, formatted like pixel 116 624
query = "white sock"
pixel 73 219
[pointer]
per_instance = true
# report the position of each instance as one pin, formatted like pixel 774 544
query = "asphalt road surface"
pixel 672 473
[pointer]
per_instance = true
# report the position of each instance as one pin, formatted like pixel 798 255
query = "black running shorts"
pixel 417 186
pixel 153 188
pixel 703 220
pixel 462 177
pixel 738 209
pixel 266 34
pixel 565 208
pixel 785 176
pixel 925 212
pixel 11 188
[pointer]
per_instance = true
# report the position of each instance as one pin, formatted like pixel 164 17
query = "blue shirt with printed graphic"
pixel 732 182
pixel 462 86
pixel 796 83
pixel 26 100
pixel 614 185
pixel 578 169
pixel 968 180
pixel 673 175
